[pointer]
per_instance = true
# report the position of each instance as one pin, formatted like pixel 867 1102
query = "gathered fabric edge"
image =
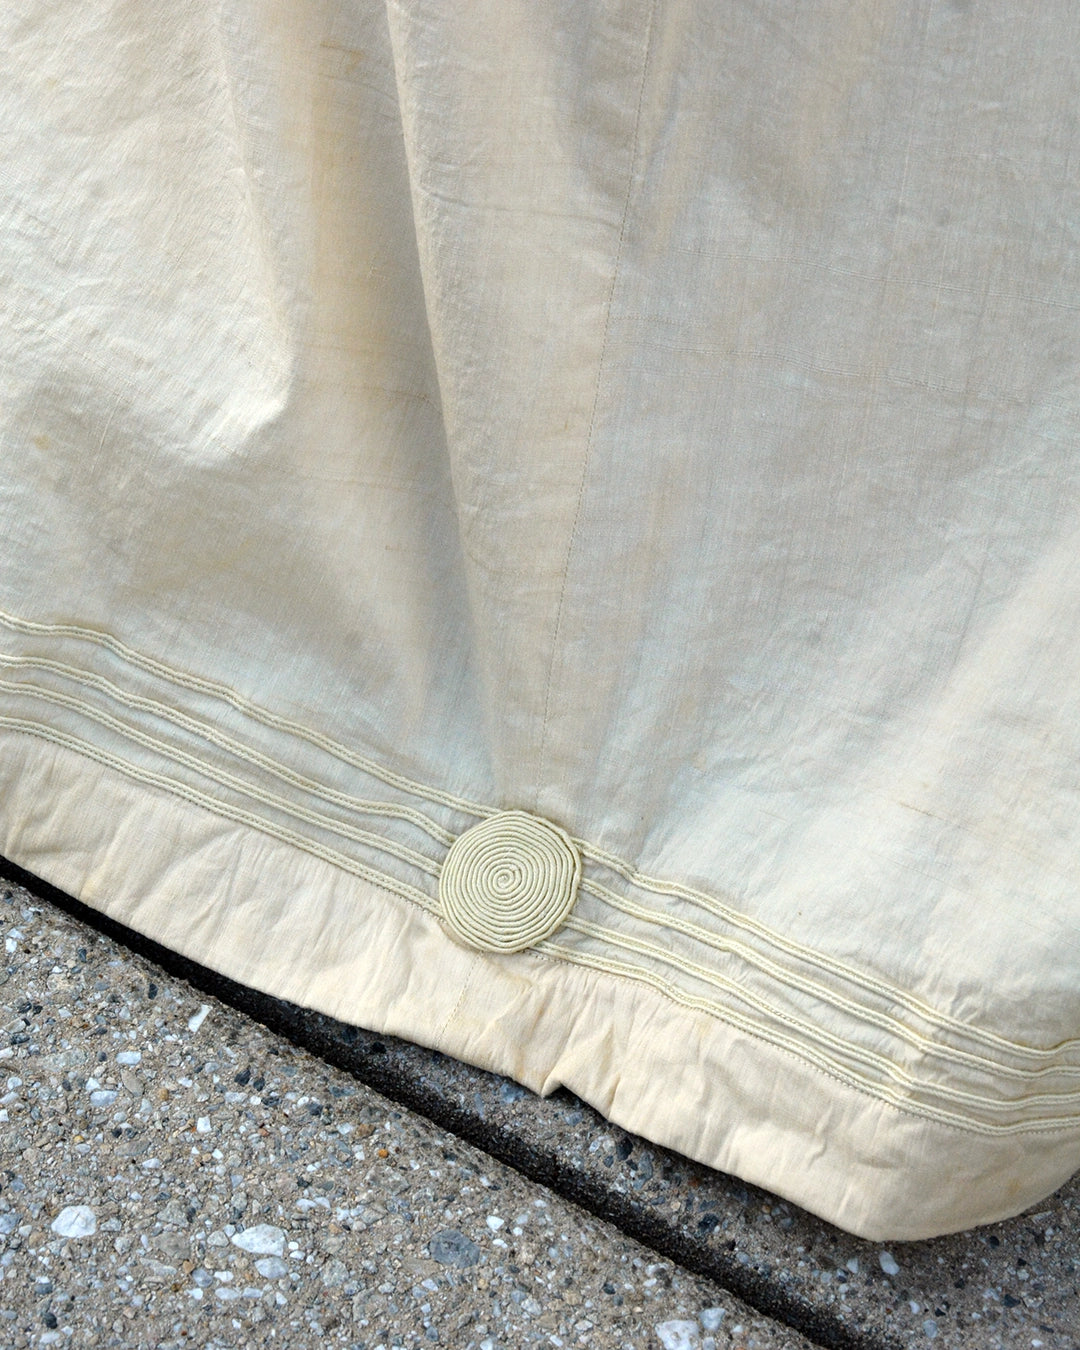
pixel 299 927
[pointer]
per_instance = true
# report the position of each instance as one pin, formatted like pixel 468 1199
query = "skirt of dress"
pixel 554 531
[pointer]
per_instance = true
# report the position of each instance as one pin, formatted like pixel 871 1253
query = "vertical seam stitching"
pixel 561 603
pixel 451 1016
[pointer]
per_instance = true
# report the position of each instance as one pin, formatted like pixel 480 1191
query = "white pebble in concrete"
pixel 263 1239
pixel 75 1221
pixel 678 1335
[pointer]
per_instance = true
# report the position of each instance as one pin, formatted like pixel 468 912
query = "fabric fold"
pixel 553 536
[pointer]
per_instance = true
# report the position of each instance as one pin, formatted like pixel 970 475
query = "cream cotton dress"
pixel 553 530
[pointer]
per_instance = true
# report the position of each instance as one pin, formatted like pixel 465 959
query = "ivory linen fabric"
pixel 553 530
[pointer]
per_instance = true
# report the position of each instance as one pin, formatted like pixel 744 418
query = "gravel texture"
pixel 174 1174
pixel 1009 1286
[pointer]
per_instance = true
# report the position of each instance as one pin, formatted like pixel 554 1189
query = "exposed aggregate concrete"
pixel 1009 1286
pixel 172 1174
pixel 1006 1287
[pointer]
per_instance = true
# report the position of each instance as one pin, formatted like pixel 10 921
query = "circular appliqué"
pixel 508 882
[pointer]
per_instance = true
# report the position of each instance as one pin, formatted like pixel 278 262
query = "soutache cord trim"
pixel 849 1050
pixel 213 689
pixel 461 922
pixel 508 882
pixel 718 908
pixel 362 805
pixel 880 1092
pixel 392 884
pixel 782 975
pixel 223 809
pixel 223 779
pixel 860 979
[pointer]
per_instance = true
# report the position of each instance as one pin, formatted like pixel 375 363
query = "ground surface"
pixel 174 1173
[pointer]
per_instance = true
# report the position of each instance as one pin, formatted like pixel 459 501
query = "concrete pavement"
pixel 127 1084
